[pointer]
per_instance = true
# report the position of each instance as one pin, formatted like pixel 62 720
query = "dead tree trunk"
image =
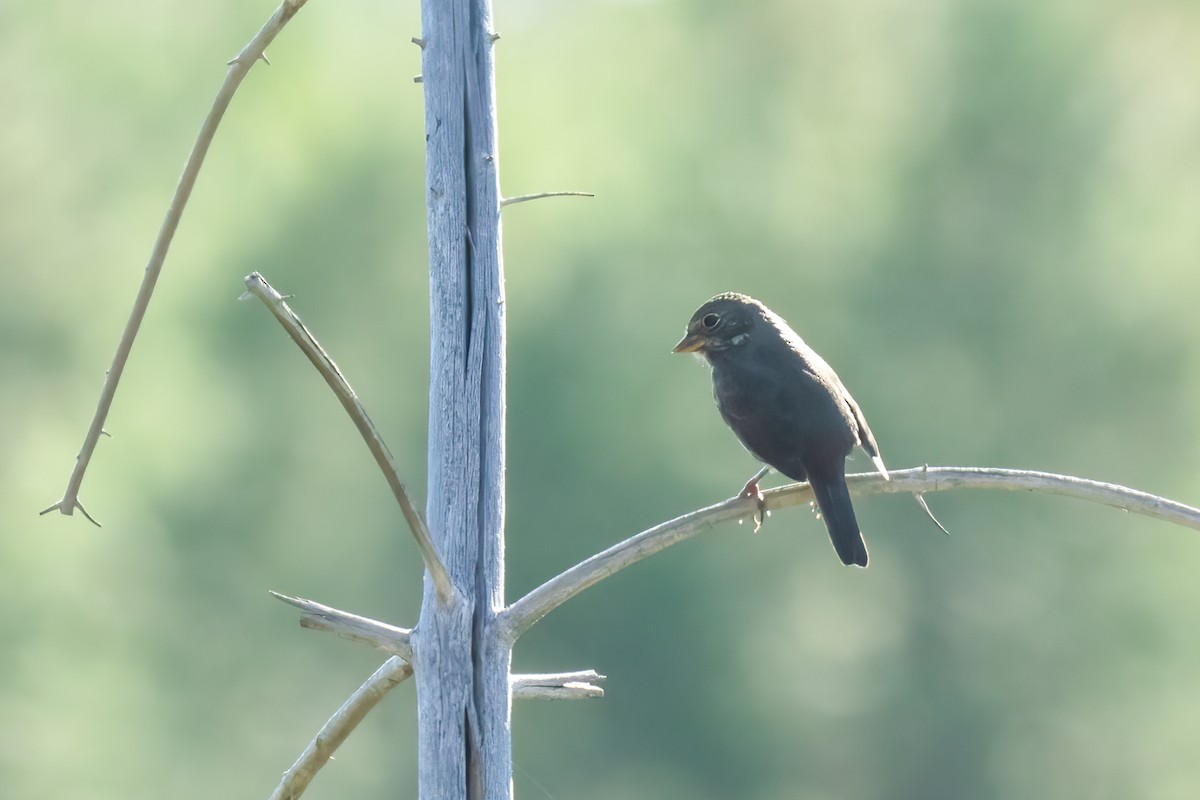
pixel 461 657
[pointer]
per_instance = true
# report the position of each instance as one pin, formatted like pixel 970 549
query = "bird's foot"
pixel 751 490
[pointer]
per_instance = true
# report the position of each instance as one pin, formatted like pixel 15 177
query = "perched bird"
pixel 786 405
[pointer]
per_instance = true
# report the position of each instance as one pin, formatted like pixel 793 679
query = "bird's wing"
pixel 866 439
pixel 817 368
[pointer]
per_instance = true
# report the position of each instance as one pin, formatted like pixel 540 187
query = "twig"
pixel 238 69
pixel 393 672
pixel 397 641
pixel 920 498
pixel 316 616
pixel 524 613
pixel 258 286
pixel 563 686
pixel 525 198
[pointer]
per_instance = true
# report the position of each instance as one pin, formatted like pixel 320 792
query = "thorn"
pixel 419 42
pixel 418 79
pixel 493 36
pixel 83 510
pixel 105 433
pixel 79 505
pixel 238 59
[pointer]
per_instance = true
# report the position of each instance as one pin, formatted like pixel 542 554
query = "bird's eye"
pixel 710 321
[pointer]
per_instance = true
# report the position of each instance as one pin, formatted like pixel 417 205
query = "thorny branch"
pixel 239 67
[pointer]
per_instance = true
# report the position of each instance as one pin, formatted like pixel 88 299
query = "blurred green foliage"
pixel 984 213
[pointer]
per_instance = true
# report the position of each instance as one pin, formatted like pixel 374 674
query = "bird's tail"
pixel 833 499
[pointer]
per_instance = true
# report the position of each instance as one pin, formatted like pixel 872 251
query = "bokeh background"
pixel 984 213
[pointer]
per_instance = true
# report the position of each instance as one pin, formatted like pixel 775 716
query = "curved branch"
pixel 258 286
pixel 238 69
pixel 526 612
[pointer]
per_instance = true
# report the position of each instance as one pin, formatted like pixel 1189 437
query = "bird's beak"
pixel 690 344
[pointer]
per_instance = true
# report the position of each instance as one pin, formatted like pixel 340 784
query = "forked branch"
pixel 526 612
pixel 558 686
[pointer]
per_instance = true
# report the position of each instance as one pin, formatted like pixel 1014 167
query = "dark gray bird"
pixel 786 405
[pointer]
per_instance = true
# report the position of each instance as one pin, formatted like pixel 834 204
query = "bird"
pixel 787 407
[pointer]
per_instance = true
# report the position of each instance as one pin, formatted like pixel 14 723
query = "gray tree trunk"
pixel 461 659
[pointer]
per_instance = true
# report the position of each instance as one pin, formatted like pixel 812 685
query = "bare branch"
pixel 524 613
pixel 938 479
pixel 563 686
pixel 317 616
pixel 525 198
pixel 258 286
pixel 238 69
pixel 393 672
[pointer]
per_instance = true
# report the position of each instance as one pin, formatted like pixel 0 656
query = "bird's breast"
pixel 780 412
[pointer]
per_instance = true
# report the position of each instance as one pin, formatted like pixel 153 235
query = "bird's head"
pixel 723 322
